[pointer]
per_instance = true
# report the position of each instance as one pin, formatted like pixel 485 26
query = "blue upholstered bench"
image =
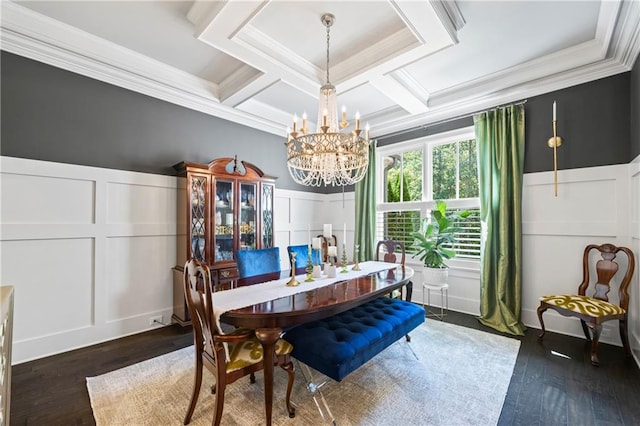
pixel 338 345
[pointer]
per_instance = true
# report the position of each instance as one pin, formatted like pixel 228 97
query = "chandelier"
pixel 333 155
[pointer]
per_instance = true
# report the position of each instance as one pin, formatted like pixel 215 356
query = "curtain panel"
pixel 500 139
pixel 365 222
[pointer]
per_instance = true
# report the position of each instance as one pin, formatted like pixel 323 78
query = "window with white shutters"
pixel 413 175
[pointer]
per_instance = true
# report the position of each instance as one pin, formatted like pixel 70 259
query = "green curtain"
pixel 500 139
pixel 365 231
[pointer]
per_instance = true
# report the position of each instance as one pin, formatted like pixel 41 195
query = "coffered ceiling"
pixel 400 64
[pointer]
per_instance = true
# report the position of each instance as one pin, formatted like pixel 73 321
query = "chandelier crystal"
pixel 333 155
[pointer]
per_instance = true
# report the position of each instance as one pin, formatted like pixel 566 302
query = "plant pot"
pixel 435 276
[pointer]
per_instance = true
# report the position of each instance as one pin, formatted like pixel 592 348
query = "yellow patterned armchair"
pixel 594 310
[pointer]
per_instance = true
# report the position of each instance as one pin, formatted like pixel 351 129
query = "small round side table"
pixel 444 299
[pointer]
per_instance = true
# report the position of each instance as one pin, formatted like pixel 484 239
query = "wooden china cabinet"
pixel 223 206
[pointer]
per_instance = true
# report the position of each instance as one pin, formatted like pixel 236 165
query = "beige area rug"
pixel 461 378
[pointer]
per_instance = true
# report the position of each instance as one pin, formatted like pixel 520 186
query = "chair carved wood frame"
pixel 394 252
pixel 324 249
pixel 245 351
pixel 593 311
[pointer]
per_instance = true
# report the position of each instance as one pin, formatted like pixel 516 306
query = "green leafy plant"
pixel 435 238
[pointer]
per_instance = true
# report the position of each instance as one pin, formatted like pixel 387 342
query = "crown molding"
pixel 471 104
pixel 450 16
pixel 238 79
pixel 34 36
pixel 356 69
pixel 411 84
pixel 626 43
pixel 274 52
pixel 29 34
pixel 609 53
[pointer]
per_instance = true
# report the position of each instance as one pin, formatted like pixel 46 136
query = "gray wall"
pixel 593 119
pixel 55 115
pixel 426 131
pixel 635 109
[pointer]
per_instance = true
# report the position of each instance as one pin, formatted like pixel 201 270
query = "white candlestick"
pixel 326 230
pixel 316 243
pixel 554 110
pixel 332 251
pixel 344 235
pixel 309 233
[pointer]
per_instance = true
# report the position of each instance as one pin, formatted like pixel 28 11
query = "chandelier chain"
pixel 328 29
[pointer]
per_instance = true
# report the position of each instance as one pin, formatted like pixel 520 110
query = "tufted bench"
pixel 338 345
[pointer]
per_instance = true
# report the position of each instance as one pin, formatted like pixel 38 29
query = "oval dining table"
pixel 270 318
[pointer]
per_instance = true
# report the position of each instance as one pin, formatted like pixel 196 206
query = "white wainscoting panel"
pixel 592 207
pixel 47 275
pixel 136 280
pixel 46 199
pixel 339 210
pixel 297 213
pixel 89 251
pixel 144 204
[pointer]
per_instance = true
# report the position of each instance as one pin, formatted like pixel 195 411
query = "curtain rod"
pixel 446 120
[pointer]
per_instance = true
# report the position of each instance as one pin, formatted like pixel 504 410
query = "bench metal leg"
pixel 316 393
pixel 408 345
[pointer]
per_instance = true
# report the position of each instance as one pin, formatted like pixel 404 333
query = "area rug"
pixel 461 377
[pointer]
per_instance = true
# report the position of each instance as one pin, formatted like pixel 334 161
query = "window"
pixel 403 176
pixel 414 174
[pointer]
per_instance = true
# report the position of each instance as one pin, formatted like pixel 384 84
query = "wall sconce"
pixel 554 142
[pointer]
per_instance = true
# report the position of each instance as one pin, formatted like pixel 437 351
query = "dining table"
pixel 307 302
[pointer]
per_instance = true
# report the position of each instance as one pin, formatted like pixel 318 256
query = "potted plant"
pixel 434 240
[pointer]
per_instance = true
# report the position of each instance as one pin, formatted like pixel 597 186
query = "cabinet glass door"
pixel 248 215
pixel 197 216
pixel 224 220
pixel 267 215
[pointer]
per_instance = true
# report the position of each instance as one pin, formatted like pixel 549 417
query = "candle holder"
pixel 293 282
pixel 344 258
pixel 309 268
pixel 554 142
pixel 356 266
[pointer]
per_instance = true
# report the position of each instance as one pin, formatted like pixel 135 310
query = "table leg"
pixel 268 338
pixel 409 290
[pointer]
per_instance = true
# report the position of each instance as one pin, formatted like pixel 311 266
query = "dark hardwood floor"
pixel 545 389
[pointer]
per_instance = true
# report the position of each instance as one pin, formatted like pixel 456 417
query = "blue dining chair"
pixel 302 255
pixel 258 262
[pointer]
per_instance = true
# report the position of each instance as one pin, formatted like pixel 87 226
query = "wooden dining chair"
pixel 324 251
pixel 258 262
pixel 242 355
pixel 594 310
pixel 393 252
